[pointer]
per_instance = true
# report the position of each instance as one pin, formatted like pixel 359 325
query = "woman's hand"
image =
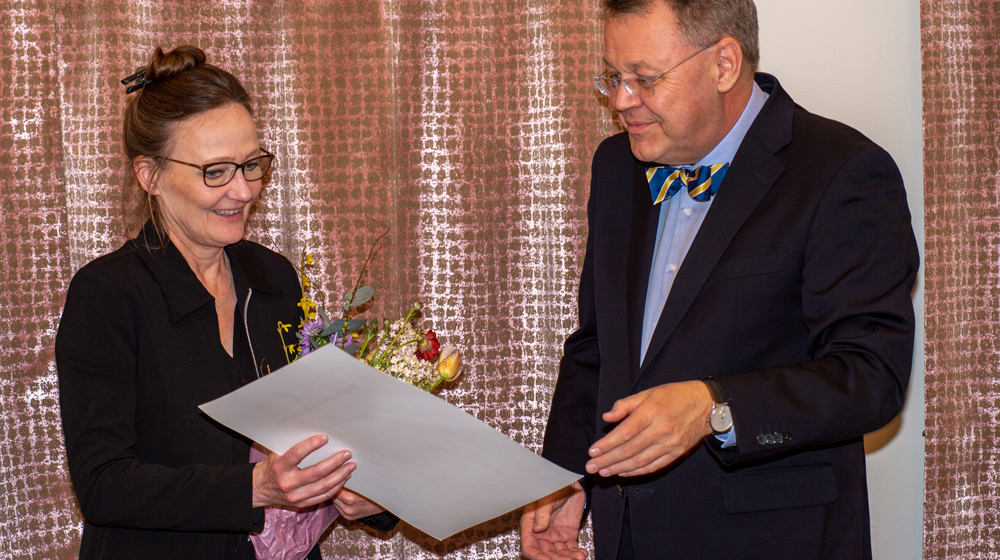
pixel 277 480
pixel 355 506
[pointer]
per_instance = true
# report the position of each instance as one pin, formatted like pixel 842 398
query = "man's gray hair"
pixel 705 22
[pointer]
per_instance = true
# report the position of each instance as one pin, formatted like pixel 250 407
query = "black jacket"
pixel 137 351
pixel 795 296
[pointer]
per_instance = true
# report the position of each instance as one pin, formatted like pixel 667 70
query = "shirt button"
pixel 687 211
pixel 241 381
pixel 672 268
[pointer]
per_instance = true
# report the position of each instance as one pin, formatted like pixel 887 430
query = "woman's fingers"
pixel 279 481
pixel 325 488
pixel 302 449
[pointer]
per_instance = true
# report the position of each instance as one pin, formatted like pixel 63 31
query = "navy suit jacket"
pixel 795 297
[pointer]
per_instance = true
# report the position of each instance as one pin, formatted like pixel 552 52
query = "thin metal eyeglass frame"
pixel 239 167
pixel 627 82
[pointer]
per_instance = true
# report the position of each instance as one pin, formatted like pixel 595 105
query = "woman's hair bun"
pixel 163 66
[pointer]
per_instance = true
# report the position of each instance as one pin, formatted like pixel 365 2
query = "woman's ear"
pixel 145 171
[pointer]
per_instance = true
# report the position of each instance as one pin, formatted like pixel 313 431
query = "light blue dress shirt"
pixel 680 219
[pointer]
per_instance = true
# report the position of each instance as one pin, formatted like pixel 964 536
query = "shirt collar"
pixel 181 288
pixel 725 151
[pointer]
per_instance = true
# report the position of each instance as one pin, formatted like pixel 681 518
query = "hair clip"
pixel 140 80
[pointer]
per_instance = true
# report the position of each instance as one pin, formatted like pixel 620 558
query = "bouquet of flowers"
pixel 401 348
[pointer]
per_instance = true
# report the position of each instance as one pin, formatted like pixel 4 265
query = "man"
pixel 732 350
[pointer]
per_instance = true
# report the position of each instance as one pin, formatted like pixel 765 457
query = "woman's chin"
pixel 228 236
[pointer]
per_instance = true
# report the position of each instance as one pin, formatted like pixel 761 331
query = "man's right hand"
pixel 550 527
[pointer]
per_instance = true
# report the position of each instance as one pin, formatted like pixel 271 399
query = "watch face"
pixel 722 420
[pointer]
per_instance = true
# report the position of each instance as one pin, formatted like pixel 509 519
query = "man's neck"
pixel 732 104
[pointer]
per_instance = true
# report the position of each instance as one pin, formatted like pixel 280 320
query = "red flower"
pixel 428 348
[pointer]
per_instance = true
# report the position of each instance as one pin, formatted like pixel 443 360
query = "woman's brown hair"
pixel 177 85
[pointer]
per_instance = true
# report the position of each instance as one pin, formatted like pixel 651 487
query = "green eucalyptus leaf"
pixel 335 326
pixel 354 325
pixel 326 320
pixel 351 349
pixel 360 297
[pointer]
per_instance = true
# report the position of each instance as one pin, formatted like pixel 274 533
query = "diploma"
pixel 431 464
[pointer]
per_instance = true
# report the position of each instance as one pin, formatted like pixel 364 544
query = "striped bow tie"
pixel 702 182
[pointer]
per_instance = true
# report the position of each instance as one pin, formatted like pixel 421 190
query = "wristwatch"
pixel 721 419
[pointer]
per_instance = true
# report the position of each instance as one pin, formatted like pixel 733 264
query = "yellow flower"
pixel 449 363
pixel 283 326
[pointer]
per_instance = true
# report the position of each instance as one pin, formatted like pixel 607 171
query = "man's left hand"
pixel 354 506
pixel 656 427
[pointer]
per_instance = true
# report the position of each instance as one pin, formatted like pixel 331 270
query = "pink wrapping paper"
pixel 290 534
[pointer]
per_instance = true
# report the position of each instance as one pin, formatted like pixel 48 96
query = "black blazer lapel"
pixel 752 173
pixel 642 243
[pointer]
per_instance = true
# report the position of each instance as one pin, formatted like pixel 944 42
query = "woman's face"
pixel 198 217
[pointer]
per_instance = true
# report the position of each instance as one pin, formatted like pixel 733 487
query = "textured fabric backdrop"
pixel 961 66
pixel 464 126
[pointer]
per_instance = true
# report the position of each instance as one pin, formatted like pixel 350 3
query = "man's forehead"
pixel 632 65
pixel 633 54
pixel 637 42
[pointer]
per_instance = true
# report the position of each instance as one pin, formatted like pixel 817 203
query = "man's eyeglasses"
pixel 643 87
pixel 221 173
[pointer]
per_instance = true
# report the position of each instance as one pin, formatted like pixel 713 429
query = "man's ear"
pixel 729 64
pixel 145 171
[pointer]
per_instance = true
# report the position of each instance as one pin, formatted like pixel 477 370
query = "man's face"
pixel 683 120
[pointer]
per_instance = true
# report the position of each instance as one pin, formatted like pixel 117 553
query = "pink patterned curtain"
pixel 961 68
pixel 465 127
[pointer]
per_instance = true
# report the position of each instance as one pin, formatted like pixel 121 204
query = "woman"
pixel 180 315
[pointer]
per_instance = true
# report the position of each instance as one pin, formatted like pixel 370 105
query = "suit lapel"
pixel 642 243
pixel 752 173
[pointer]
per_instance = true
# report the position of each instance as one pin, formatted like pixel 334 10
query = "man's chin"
pixel 641 151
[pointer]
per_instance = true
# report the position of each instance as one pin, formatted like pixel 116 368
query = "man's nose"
pixel 623 100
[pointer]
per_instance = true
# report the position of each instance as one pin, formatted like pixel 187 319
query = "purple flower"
pixel 312 328
pixel 309 328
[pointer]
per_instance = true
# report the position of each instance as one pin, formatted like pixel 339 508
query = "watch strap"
pixel 716 390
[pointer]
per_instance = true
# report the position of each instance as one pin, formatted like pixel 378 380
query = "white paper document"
pixel 431 464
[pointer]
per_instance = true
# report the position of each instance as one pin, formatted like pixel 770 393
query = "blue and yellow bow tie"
pixel 702 182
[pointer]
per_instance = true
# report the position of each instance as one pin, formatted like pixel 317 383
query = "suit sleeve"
pixel 860 264
pixel 572 419
pixel 96 357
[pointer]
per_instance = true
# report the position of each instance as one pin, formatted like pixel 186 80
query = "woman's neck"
pixel 207 263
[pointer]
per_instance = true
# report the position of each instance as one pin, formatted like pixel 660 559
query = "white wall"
pixel 858 61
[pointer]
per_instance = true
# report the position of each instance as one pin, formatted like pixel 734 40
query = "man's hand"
pixel 657 426
pixel 550 527
pixel 277 480
pixel 355 506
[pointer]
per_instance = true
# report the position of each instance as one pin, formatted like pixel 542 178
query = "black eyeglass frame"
pixel 239 167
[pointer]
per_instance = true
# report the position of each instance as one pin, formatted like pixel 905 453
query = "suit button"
pixel 241 381
pixel 762 439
